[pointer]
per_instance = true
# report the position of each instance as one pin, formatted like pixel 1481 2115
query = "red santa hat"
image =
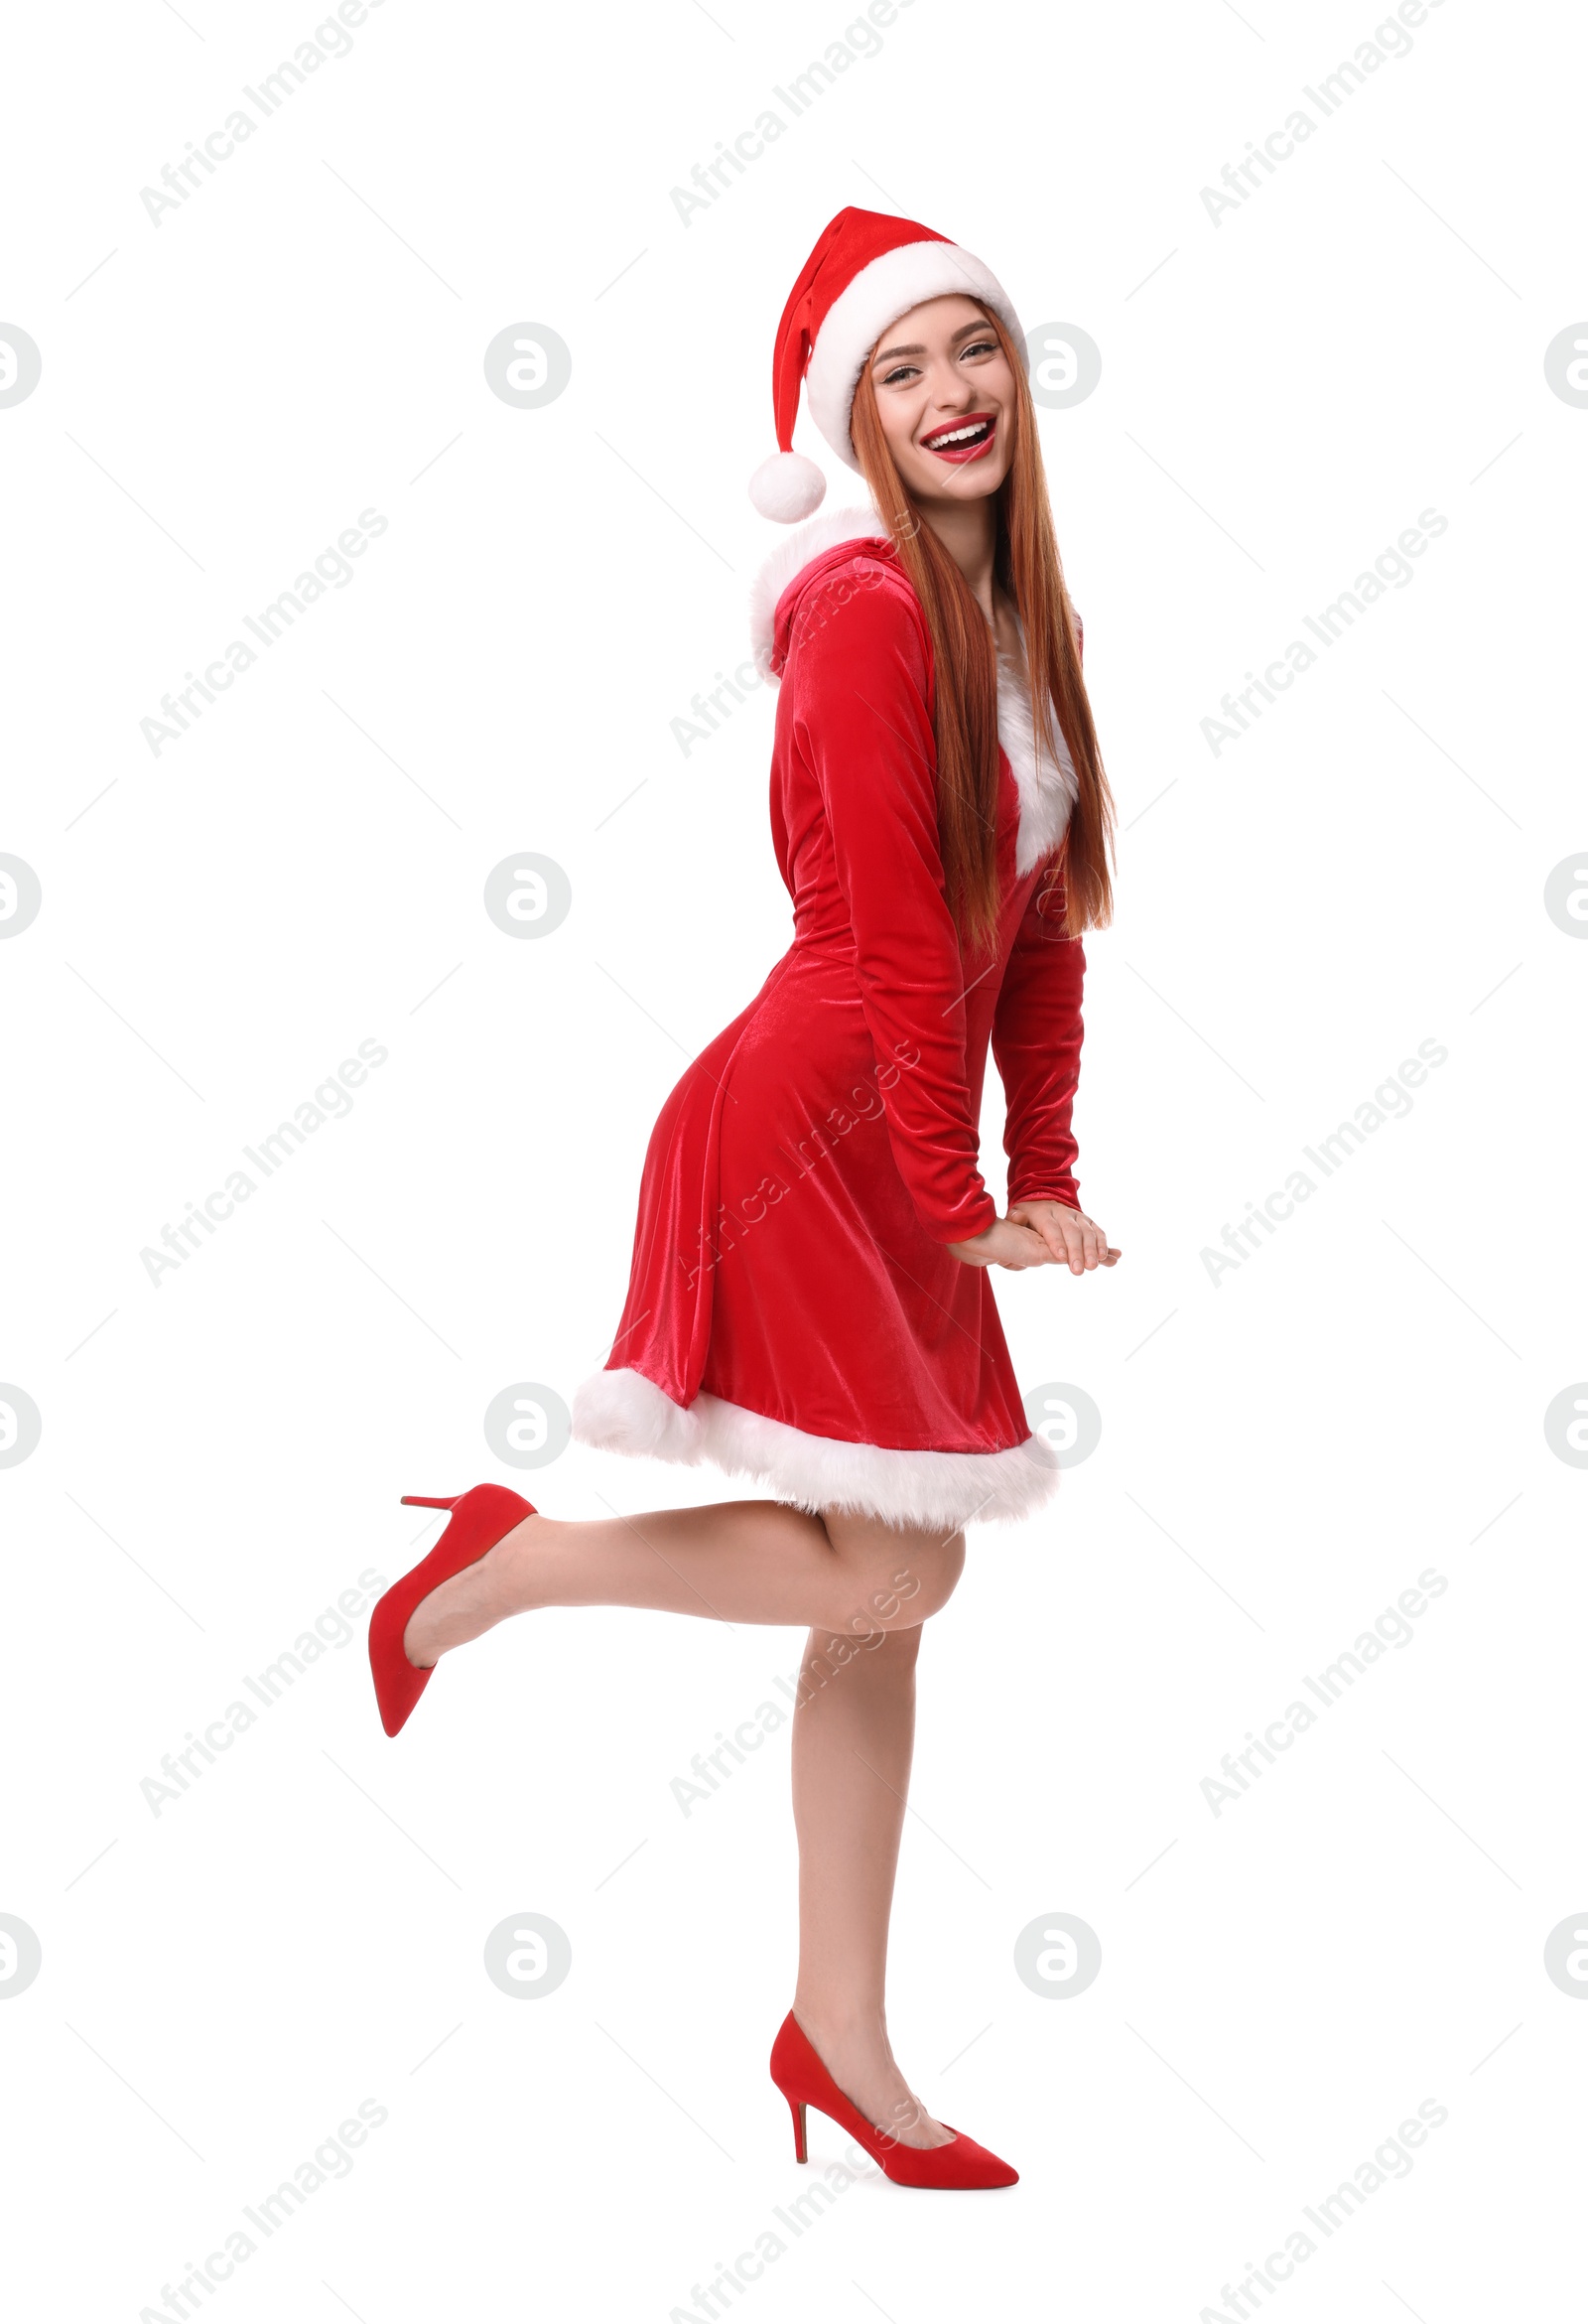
pixel 864 272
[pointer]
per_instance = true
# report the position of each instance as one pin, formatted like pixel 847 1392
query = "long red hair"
pixel 965 661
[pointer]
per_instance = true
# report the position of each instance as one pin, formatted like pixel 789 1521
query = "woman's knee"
pixel 897 1577
pixel 936 1566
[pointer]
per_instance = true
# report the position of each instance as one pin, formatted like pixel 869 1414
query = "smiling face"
pixel 946 398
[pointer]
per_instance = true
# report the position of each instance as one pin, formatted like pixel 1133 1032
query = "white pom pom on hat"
pixel 787 487
pixel 865 271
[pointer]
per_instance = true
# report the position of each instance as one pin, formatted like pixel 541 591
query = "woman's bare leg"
pixel 729 1562
pixel 852 1740
pixel 853 1735
pixel 865 1589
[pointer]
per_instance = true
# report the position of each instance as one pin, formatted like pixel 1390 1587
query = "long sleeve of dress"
pixel 1036 1047
pixel 862 722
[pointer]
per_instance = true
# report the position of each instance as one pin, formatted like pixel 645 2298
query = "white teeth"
pixel 959 436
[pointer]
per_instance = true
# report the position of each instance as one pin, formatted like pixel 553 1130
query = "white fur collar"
pixel 1046 785
pixel 791 556
pixel 1046 782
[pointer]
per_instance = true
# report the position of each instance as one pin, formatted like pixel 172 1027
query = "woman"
pixel 809 1302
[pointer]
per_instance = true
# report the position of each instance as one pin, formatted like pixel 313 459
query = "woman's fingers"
pixel 1083 1242
pixel 1100 1251
pixel 1022 1245
pixel 1048 1226
pixel 1063 1236
pixel 1042 1219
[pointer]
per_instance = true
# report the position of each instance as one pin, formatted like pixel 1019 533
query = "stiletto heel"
pixel 804 2081
pixel 479 1519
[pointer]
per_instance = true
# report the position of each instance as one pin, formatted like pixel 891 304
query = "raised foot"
pixel 468 1603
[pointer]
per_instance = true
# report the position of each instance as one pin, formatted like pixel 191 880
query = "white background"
pixel 1282 393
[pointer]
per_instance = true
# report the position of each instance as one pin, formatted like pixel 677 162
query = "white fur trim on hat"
pixel 881 292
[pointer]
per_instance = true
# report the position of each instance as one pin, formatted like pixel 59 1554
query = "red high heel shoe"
pixel 805 2081
pixel 480 1517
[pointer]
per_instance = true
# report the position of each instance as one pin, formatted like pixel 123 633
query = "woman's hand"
pixel 1004 1243
pixel 1070 1238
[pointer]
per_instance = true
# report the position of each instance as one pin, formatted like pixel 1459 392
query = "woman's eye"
pixel 901 372
pixel 981 346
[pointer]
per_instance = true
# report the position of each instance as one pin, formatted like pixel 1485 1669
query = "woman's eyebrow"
pixel 965 331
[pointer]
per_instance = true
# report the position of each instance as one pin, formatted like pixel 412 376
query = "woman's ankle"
pixel 847 2025
pixel 853 2045
pixel 515 1568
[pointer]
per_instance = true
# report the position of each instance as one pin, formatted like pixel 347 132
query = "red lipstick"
pixel 960 440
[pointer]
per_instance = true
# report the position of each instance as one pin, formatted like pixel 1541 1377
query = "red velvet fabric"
pixel 808 1170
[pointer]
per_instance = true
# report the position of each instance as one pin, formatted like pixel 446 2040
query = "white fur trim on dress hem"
pixel 624 1412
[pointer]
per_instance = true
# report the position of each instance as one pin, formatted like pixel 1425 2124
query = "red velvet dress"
pixel 794 1314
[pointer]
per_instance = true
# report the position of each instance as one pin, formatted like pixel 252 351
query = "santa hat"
pixel 864 272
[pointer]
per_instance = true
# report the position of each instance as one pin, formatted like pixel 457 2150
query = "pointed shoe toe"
pixel 479 1519
pixel 963 2164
